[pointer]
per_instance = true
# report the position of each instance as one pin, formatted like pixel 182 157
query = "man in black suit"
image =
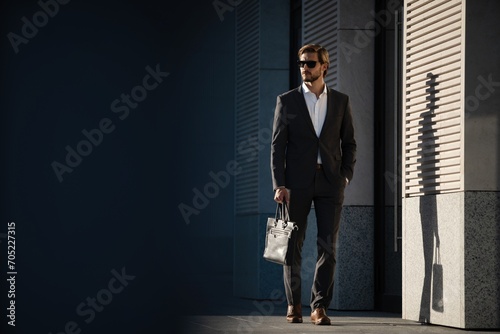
pixel 313 153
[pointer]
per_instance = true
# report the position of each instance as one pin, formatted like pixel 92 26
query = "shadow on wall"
pixel 432 296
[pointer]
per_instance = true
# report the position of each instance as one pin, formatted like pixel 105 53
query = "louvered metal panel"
pixel 247 106
pixel 320 26
pixel 433 96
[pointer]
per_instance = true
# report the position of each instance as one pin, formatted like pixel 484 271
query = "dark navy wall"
pixel 111 230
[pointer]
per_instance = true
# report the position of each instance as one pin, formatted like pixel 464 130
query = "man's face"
pixel 310 74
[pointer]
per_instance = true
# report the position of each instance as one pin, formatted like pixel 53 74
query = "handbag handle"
pixel 283 213
pixel 438 256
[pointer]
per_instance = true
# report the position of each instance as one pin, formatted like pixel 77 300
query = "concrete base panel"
pixel 451 260
pixel 353 287
pixel 482 260
pixel 257 278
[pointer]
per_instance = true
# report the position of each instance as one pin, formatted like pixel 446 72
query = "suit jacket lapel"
pixel 301 102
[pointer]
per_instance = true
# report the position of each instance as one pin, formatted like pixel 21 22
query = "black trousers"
pixel 328 201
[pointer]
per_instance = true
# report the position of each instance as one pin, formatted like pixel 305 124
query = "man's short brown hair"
pixel 323 56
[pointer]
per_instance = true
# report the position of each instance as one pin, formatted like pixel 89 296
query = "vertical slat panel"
pixel 320 26
pixel 247 105
pixel 433 97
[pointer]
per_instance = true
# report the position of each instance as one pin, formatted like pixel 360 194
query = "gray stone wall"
pixel 353 285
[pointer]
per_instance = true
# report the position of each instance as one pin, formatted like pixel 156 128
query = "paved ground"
pixel 342 322
pixel 225 314
pixel 365 322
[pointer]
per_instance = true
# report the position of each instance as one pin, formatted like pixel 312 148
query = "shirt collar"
pixel 306 89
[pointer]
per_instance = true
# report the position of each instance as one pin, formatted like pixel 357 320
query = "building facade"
pixel 420 226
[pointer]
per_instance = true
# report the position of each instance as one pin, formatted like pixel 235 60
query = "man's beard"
pixel 311 78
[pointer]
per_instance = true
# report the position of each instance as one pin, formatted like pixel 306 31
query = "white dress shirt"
pixel 317 109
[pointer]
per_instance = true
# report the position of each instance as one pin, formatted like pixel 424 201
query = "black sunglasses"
pixel 309 63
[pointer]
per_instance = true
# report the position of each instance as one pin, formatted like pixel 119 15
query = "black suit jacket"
pixel 295 145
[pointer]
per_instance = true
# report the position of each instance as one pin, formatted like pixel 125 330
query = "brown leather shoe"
pixel 294 313
pixel 318 317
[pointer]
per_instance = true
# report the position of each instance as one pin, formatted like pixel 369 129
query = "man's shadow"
pixel 428 167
